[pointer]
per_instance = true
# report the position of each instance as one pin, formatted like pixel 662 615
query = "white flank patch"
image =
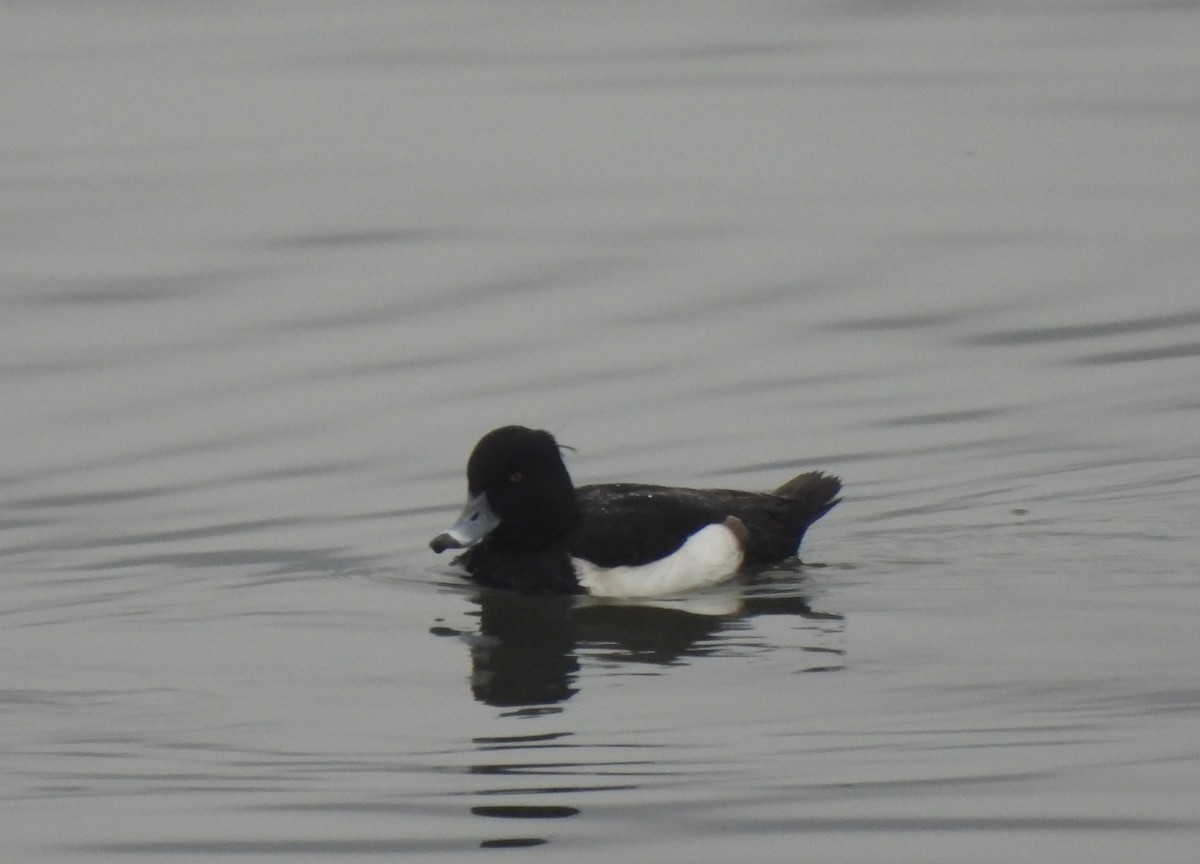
pixel 711 555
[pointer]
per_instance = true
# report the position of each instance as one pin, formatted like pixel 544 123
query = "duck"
pixel 526 527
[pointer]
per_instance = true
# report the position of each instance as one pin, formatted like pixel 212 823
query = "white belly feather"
pixel 711 555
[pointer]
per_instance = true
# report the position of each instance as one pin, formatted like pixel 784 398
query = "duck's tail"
pixel 815 494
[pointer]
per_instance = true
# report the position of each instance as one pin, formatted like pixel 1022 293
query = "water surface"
pixel 270 270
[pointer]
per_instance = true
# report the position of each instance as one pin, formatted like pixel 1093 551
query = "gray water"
pixel 269 269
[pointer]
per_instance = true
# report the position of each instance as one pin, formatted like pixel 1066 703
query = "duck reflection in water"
pixel 526 652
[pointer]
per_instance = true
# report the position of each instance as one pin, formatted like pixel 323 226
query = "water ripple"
pixel 1071 332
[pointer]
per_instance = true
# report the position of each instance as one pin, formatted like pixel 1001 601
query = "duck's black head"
pixel 520 495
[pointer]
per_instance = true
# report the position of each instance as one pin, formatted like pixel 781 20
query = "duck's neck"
pixel 554 517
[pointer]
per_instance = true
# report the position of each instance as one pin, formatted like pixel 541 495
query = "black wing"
pixel 633 524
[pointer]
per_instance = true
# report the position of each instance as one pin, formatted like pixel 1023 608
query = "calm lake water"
pixel 270 269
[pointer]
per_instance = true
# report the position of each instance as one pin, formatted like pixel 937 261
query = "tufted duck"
pixel 528 528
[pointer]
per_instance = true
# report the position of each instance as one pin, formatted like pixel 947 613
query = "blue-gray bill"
pixel 475 521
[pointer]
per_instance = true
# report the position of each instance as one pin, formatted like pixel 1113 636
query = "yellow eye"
pixel 515 477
